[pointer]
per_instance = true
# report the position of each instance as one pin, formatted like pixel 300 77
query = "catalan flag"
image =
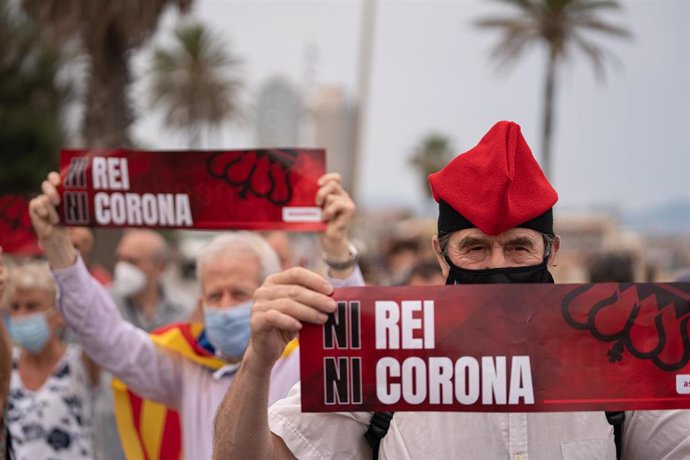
pixel 152 431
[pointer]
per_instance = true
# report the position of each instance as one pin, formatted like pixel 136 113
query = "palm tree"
pixel 195 82
pixel 561 25
pixel 107 31
pixel 31 99
pixel 430 156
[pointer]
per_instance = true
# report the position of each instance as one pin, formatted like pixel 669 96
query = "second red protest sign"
pixel 248 189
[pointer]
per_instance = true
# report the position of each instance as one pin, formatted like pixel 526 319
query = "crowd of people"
pixel 130 367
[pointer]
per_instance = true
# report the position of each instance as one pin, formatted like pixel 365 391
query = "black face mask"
pixel 531 274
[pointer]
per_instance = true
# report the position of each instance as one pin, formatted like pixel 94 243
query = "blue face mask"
pixel 30 332
pixel 228 328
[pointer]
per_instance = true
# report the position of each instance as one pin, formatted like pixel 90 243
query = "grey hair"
pixel 31 277
pixel 549 240
pixel 221 245
pixel 443 241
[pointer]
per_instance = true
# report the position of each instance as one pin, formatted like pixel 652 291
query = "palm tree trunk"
pixel 194 128
pixel 548 121
pixel 108 114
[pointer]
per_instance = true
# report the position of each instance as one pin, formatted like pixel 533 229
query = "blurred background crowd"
pixel 392 89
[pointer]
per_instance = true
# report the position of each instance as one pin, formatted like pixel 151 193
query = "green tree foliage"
pixel 431 155
pixel 30 102
pixel 107 31
pixel 562 26
pixel 195 82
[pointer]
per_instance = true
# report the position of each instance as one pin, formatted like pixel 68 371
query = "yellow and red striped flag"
pixel 150 430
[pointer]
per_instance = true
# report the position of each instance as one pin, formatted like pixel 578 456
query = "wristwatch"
pixel 343 265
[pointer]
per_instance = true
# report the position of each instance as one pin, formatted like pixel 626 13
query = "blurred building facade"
pixel 332 116
pixel 324 118
pixel 278 114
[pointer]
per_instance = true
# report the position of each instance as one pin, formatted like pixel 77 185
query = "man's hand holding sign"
pixel 498 349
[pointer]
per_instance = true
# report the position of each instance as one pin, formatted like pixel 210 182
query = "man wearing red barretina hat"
pixel 495 225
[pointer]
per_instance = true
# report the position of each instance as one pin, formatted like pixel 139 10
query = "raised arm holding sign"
pixel 495 226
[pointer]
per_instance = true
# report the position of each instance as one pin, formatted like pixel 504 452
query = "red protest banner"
pixel 238 189
pixel 500 348
pixel 16 233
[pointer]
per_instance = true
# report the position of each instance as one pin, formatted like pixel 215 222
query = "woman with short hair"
pixel 50 404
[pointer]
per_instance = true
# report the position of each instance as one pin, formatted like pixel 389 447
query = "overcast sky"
pixel 624 143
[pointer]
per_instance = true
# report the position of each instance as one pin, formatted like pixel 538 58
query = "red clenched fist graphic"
pixel 263 173
pixel 649 320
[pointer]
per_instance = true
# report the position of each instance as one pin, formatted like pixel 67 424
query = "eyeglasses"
pixel 520 250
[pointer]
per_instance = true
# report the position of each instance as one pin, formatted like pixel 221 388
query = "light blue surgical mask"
pixel 227 328
pixel 30 332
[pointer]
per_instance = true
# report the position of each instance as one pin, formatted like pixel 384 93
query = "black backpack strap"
pixel 616 420
pixel 378 427
pixel 8 451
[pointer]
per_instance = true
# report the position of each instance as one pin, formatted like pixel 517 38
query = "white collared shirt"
pixel 647 435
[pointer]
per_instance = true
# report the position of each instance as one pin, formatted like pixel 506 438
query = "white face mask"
pixel 128 279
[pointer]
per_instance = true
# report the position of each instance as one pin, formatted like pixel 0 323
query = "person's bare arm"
pixel 338 209
pixel 241 425
pixel 281 305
